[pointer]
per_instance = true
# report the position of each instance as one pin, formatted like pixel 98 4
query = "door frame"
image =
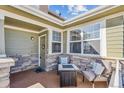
pixel 39 46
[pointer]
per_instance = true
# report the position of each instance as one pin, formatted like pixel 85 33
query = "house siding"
pixel 22 49
pixel 65 42
pixel 115 37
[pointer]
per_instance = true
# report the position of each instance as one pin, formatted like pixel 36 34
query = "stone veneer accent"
pixel 24 62
pixel 5 64
pixel 51 60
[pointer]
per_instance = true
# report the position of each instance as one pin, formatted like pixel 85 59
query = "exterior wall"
pixel 65 42
pixel 19 46
pixel 115 37
pixel 51 62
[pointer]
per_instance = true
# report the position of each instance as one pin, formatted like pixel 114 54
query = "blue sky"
pixel 70 11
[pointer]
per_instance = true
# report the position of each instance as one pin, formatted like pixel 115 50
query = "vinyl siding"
pixel 65 42
pixel 115 37
pixel 18 42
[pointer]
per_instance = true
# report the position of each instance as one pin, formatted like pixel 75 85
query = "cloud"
pixel 76 9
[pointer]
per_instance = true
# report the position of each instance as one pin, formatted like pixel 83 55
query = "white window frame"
pixel 102 39
pixel 93 40
pixel 61 42
pixel 74 42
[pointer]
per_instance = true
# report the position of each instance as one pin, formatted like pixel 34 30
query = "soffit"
pixel 28 15
pixel 22 24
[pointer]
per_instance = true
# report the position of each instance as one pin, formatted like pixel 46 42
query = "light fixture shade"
pixel 32 38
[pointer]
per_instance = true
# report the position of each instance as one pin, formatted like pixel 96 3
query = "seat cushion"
pixel 99 69
pixel 89 75
pixel 93 66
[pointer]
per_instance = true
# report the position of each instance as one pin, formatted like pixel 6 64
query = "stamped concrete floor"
pixel 47 79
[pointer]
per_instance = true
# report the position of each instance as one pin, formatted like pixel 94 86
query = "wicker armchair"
pixel 63 59
pixel 99 72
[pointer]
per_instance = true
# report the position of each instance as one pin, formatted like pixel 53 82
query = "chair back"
pixel 64 59
pixel 108 67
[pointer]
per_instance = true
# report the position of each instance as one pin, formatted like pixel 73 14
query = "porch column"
pixel 2 39
pixel 5 64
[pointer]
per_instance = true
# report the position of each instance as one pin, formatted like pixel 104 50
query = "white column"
pixel 116 80
pixel 49 41
pixel 5 64
pixel 68 42
pixel 2 37
pixel 103 44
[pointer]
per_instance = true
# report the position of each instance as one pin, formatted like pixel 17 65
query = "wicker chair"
pixel 63 59
pixel 100 72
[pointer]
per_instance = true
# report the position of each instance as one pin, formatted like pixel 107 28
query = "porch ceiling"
pixel 22 24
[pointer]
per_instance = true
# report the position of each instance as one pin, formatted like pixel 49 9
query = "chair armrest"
pixel 107 75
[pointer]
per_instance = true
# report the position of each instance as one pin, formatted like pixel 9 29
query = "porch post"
pixel 2 37
pixel 49 41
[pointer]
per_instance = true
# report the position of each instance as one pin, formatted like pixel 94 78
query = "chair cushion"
pixel 93 66
pixel 63 60
pixel 99 69
pixel 89 75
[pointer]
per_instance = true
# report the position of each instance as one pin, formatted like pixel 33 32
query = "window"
pixel 56 47
pixel 91 32
pixel 75 35
pixel 56 42
pixel 75 47
pixel 56 36
pixel 91 39
pixel 89 43
pixel 92 47
pixel 75 41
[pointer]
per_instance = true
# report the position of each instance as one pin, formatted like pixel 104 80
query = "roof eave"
pixel 89 14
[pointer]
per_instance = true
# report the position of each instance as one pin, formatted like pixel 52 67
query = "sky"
pixel 70 11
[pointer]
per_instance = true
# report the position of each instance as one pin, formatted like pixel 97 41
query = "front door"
pixel 42 51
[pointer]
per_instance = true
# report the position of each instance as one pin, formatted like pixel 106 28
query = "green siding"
pixel 115 37
pixel 65 42
pixel 18 42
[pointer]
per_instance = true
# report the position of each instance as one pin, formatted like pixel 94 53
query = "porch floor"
pixel 47 79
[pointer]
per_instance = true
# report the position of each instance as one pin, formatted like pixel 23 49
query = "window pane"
pixel 56 47
pixel 56 36
pixel 91 31
pixel 75 35
pixel 92 47
pixel 75 47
